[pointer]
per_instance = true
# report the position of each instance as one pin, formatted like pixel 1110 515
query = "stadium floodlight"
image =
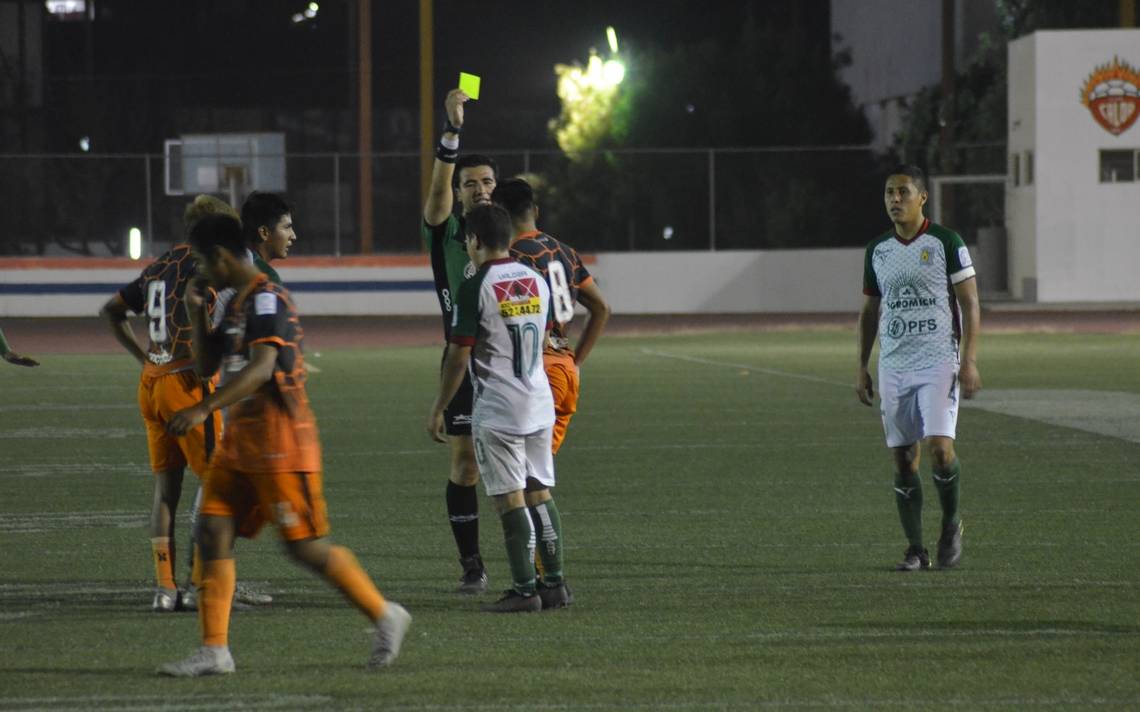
pixel 589 95
pixel 298 18
pixel 613 71
pixel 85 144
pixel 134 243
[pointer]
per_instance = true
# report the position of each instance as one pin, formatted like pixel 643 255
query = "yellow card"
pixel 469 83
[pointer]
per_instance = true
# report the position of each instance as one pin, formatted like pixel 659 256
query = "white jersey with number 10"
pixel 503 313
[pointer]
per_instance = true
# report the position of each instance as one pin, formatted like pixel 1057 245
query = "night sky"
pixel 244 65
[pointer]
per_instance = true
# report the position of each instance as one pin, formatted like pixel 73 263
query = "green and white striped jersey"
pixel 919 321
pixel 503 314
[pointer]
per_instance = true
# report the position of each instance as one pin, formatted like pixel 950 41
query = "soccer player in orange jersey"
pixel 167 384
pixel 268 465
pixel 570 284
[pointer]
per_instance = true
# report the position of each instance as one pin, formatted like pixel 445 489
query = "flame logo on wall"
pixel 1112 93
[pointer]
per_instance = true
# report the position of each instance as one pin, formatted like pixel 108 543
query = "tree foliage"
pixel 647 185
pixel 979 113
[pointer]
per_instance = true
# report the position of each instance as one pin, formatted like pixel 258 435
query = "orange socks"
pixel 215 597
pixel 163 554
pixel 345 572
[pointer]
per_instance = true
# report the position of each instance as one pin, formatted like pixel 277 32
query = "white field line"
pixel 212 702
pixel 746 367
pixel 53 433
pixel 1110 413
pixel 65 407
pixel 147 702
pixel 38 522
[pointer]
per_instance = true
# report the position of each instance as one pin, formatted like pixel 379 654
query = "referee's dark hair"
pixel 473 160
pixel 516 196
pixel 913 172
pixel 214 231
pixel 491 224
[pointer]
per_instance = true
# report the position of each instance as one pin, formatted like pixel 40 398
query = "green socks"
pixel 518 532
pixel 548 526
pixel 946 481
pixel 908 497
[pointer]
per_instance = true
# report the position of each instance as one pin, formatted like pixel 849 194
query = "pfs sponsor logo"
pixel 1112 94
pixel 518 297
pixel 899 327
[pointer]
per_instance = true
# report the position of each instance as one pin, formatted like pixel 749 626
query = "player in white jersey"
pixel 921 298
pixel 499 324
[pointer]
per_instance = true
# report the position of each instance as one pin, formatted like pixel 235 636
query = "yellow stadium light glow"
pixel 134 243
pixel 613 72
pixel 611 35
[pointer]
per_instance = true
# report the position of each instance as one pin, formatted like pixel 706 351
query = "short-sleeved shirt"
pixel 503 313
pixel 159 293
pixel 564 272
pixel 272 430
pixel 450 264
pixel 919 321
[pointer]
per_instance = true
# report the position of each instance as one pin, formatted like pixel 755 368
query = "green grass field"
pixel 731 529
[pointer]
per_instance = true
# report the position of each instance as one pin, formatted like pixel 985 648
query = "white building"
pixel 1073 196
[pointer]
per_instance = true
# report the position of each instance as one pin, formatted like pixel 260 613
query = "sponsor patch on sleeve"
pixel 265 303
pixel 964 256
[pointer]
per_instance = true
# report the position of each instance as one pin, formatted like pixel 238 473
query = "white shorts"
pixel 919 404
pixel 506 460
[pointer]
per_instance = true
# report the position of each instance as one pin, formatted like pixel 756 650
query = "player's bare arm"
pixel 867 329
pixel 256 373
pixel 440 199
pixel 968 377
pixel 115 311
pixel 591 297
pixel 208 345
pixel 451 376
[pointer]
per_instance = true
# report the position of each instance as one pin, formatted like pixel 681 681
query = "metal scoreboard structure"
pixel 230 164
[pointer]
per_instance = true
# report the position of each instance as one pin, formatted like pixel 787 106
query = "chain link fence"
pixel 627 200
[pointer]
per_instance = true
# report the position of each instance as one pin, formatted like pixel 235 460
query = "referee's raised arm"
pixel 440 200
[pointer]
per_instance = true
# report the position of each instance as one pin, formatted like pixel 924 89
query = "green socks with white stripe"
pixel 548 528
pixel 908 498
pixel 946 481
pixel 518 533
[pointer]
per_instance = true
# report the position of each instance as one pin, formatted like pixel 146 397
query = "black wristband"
pixel 445 154
pixel 449 127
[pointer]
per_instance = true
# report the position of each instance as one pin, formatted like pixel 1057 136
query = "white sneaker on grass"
pixel 207 660
pixel 244 593
pixel 165 600
pixel 388 636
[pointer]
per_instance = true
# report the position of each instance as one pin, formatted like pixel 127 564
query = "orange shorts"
pixel 562 373
pixel 161 395
pixel 291 500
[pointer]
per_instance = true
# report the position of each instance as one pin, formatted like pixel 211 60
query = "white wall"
pixel 732 281
pixel 1082 242
pixel 634 283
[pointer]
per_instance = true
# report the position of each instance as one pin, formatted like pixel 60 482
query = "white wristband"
pixel 449 142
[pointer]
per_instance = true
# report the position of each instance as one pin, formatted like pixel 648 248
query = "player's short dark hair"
pixel 491 224
pixel 214 231
pixel 913 172
pixel 262 209
pixel 516 196
pixel 473 160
